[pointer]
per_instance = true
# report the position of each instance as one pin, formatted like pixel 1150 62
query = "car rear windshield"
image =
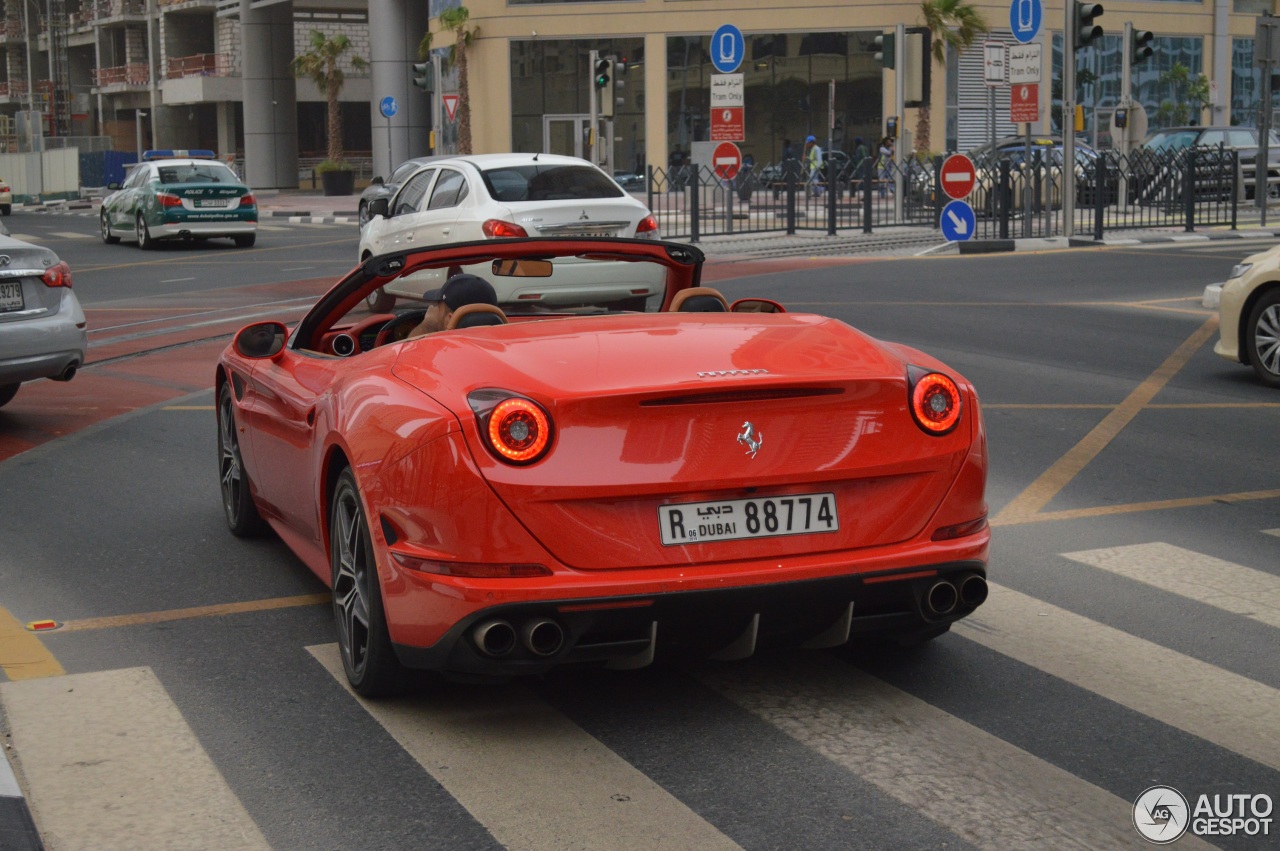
pixel 536 182
pixel 197 173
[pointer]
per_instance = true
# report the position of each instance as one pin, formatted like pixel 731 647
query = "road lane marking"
pixel 111 764
pixel 1050 483
pixel 189 408
pixel 1135 507
pixel 68 234
pixel 1231 711
pixel 1222 584
pixel 23 655
pixel 968 781
pixel 216 610
pixel 1066 406
pixel 480 744
pixel 176 280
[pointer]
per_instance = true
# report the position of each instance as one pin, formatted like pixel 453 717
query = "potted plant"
pixel 323 64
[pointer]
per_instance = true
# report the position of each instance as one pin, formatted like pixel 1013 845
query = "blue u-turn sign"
pixel 727 49
pixel 1024 19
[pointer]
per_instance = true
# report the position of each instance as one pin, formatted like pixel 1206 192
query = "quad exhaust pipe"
pixel 540 636
pixel 945 596
pixel 494 638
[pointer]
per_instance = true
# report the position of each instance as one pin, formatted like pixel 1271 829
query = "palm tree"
pixel 951 23
pixel 456 21
pixel 323 64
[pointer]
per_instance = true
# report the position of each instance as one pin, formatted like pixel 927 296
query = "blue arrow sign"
pixel 727 49
pixel 958 221
pixel 388 106
pixel 1024 19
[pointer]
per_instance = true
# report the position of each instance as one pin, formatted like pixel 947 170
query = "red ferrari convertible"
pixel 601 483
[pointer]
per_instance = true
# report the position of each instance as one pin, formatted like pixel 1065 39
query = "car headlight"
pixel 1239 269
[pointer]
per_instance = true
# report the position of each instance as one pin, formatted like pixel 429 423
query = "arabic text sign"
pixel 727 90
pixel 1024 64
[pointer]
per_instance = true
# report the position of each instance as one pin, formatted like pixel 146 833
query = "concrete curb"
pixel 17 828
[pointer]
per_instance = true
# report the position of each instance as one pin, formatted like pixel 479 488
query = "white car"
pixel 495 196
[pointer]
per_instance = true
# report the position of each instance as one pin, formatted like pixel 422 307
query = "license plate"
pixel 759 517
pixel 212 202
pixel 11 295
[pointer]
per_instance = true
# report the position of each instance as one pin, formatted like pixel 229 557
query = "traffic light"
pixel 602 77
pixel 619 86
pixel 1087 31
pixel 883 47
pixel 1141 49
pixel 424 76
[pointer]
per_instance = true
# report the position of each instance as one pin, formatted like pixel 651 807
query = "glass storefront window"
pixel 786 81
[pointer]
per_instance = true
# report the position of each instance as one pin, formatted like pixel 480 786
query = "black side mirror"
pixel 377 181
pixel 261 340
pixel 379 207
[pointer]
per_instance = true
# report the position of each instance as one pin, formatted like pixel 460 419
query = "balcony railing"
pixel 116 8
pixel 127 75
pixel 200 65
pixel 13 89
pixel 13 29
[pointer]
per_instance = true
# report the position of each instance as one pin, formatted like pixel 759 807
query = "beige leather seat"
pixel 699 300
pixel 476 315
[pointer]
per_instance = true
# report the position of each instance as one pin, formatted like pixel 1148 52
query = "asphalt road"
pixel 191 699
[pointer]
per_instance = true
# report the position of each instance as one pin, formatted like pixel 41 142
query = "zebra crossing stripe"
pixel 111 764
pixel 531 776
pixel 968 781
pixel 1227 709
pixel 1222 584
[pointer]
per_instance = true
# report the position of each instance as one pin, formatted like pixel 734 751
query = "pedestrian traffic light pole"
pixel 899 109
pixel 593 62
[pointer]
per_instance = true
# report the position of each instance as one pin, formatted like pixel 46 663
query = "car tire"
pixel 246 240
pixel 145 242
pixel 379 301
pixel 7 392
pixel 363 216
pixel 368 657
pixel 105 226
pixel 1262 338
pixel 243 518
pixel 6 209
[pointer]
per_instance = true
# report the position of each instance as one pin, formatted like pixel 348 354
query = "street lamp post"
pixel 137 124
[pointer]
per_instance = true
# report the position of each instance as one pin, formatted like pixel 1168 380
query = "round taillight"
pixel 519 431
pixel 935 403
pixel 58 275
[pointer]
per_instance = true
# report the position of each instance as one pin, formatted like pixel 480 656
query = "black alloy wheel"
pixel 243 518
pixel 107 237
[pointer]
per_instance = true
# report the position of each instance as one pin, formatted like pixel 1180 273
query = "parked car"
pixel 1170 140
pixel 6 198
pixel 1044 172
pixel 379 188
pixel 1249 315
pixel 186 195
pixel 593 487
pixel 42 328
pixel 629 180
pixel 494 196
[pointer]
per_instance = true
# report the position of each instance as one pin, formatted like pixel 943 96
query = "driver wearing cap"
pixel 459 290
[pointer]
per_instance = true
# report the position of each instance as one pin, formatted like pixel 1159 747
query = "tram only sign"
pixel 958 176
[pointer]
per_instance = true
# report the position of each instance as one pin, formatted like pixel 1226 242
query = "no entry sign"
pixel 958 176
pixel 726 160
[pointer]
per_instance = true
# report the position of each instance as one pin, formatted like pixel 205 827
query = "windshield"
pixel 536 182
pixel 197 173
pixel 1172 140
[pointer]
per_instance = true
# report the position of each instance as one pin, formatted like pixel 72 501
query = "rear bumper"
pixel 727 623
pixel 52 365
pixel 178 230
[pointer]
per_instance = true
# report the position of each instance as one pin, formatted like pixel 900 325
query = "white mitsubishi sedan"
pixel 498 196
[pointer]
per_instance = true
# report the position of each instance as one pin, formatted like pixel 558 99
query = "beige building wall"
pixel 499 24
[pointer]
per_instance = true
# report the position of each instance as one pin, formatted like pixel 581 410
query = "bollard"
pixel 791 203
pixel 833 189
pixel 1190 190
pixel 694 191
pixel 1004 198
pixel 867 168
pixel 1099 195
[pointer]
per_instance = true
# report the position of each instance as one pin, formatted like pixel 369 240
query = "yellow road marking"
pixel 22 655
pixel 1132 507
pixel 1039 493
pixel 196 612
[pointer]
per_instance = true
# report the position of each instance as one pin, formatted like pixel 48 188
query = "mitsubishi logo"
pixel 751 439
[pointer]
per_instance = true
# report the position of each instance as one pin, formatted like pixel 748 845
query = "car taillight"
pixel 167 200
pixel 471 570
pixel 648 228
pixel 57 276
pixel 515 429
pixel 935 401
pixel 498 229
pixel 247 200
